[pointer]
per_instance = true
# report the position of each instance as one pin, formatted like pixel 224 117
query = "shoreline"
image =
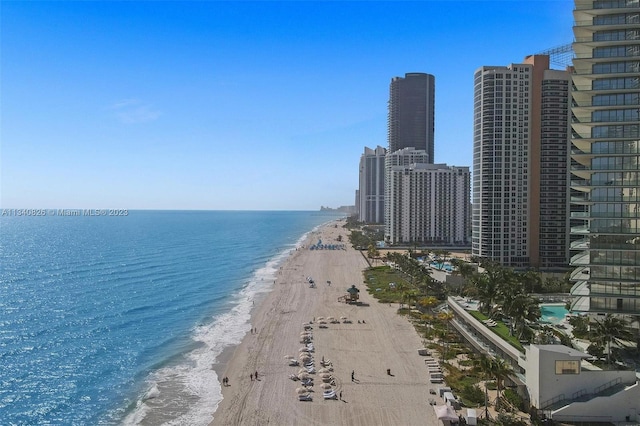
pixel 227 354
pixel 376 339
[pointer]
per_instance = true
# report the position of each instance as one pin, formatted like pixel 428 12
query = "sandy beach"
pixel 375 340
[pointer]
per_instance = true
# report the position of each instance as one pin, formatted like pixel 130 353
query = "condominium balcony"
pixel 589 24
pixel 591 41
pixel 609 4
pixel 580 230
pixel 580 185
pixel 580 215
pixel 580 199
pixel 581 288
pixel 581 304
pixel 577 167
pixel 589 55
pixel 582 244
pixel 580 259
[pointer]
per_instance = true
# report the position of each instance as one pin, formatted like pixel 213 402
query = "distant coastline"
pixel 341 209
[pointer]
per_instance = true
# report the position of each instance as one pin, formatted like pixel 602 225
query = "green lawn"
pixel 500 329
pixel 379 277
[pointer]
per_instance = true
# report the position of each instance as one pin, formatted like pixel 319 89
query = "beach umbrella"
pixel 300 391
pixel 304 357
pixel 325 386
pixel 325 375
pixel 331 319
pixel 303 349
pixel 303 376
pixel 319 318
pixel 324 370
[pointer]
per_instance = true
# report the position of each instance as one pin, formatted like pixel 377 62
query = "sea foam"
pixel 193 381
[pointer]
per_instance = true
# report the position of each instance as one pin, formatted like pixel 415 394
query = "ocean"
pixel 118 320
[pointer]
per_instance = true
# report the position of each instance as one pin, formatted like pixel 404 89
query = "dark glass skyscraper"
pixel 605 153
pixel 411 112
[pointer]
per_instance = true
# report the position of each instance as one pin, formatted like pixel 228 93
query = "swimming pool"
pixel 438 265
pixel 552 313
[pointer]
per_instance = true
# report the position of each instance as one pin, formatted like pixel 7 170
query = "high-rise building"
pixel 411 113
pixel 401 157
pixel 605 154
pixel 428 203
pixel 520 164
pixel 371 186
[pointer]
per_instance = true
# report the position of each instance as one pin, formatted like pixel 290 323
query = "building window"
pixel 567 367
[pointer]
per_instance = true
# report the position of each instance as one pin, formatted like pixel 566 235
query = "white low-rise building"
pixel 556 379
pixel 562 384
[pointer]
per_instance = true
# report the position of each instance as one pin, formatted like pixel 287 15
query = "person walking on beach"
pixel 251 376
pixel 256 374
pixel 340 395
pixel 353 373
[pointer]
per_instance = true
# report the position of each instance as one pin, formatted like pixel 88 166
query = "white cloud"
pixel 132 111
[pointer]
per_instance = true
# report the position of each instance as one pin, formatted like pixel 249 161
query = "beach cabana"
pixel 471 417
pixel 445 413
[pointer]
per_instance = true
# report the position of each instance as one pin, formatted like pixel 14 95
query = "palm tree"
pixel 445 317
pixel 495 368
pixel 486 292
pixel 610 329
pixel 483 366
pixel 501 371
pixel 441 257
pixel 525 309
pixel 465 270
pixel 372 252
pixel 532 281
pixel 428 302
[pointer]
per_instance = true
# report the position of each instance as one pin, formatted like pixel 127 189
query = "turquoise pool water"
pixel 553 314
pixel 437 265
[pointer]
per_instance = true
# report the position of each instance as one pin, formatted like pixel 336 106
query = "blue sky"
pixel 234 105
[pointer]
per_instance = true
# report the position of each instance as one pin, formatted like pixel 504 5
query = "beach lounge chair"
pixel 305 397
pixel 329 394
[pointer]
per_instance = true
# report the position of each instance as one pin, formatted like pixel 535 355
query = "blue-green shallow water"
pixel 108 320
